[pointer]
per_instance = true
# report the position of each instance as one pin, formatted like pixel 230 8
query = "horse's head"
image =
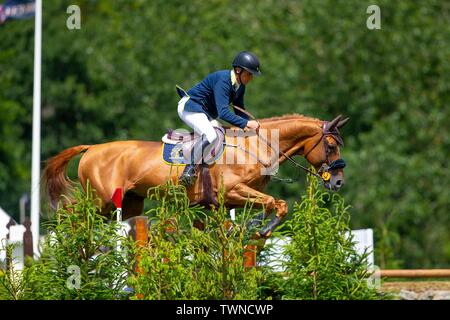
pixel 324 153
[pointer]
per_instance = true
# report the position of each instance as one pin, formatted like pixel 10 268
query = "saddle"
pixel 178 146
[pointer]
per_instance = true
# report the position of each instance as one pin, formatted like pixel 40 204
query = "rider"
pixel 210 99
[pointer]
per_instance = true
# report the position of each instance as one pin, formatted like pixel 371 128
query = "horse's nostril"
pixel 339 183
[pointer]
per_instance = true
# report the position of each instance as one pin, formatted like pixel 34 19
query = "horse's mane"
pixel 292 116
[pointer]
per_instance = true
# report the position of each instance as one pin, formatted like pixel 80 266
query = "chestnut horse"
pixel 136 166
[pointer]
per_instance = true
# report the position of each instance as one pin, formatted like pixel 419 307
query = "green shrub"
pixel 188 263
pixel 79 258
pixel 181 261
pixel 321 259
pixel 11 284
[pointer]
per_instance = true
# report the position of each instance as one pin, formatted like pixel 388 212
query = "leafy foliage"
pixel 184 262
pixel 180 261
pixel 11 282
pixel 114 79
pixel 322 262
pixel 80 239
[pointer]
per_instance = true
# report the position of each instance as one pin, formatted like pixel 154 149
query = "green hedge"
pixel 181 261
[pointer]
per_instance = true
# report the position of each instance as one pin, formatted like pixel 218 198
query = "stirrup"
pixel 189 175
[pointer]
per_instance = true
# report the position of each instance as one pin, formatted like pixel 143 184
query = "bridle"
pixel 324 171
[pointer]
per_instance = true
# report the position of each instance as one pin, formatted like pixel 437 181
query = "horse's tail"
pixel 54 180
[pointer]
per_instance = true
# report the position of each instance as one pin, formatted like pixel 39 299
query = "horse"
pixel 136 166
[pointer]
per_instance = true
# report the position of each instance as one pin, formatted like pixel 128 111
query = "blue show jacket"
pixel 213 96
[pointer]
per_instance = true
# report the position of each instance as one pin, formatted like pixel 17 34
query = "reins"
pixel 288 157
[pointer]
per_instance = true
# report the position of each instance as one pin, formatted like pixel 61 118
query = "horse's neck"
pixel 294 133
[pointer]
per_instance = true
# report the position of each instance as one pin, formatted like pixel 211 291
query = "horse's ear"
pixel 334 122
pixel 342 123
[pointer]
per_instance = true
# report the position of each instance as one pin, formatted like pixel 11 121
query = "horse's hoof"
pixel 187 180
pixel 264 235
pixel 230 231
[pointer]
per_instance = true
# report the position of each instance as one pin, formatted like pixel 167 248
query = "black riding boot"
pixel 189 174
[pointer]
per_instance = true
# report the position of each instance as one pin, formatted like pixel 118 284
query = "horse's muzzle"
pixel 335 183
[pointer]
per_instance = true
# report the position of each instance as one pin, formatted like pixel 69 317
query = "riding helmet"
pixel 247 61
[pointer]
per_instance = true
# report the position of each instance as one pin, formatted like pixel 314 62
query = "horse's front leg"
pixel 242 193
pixel 281 211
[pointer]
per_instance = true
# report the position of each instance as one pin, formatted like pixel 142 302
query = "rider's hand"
pixel 252 125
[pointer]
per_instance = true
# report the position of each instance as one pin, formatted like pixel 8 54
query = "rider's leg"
pixel 197 121
pixel 203 127
pixel 189 174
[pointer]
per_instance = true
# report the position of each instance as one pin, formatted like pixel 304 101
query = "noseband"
pixel 326 167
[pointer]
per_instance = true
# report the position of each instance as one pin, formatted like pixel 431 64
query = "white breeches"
pixel 197 121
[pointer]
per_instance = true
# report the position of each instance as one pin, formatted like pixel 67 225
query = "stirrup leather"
pixel 189 174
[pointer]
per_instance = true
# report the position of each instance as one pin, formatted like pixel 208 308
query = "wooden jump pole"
pixel 415 273
pixel 139 229
pixel 249 256
pixel 249 253
pixel 249 250
pixel 139 232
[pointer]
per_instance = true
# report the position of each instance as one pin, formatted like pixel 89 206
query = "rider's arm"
pixel 239 101
pixel 221 94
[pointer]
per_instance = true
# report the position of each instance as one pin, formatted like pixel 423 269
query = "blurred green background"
pixel 115 79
